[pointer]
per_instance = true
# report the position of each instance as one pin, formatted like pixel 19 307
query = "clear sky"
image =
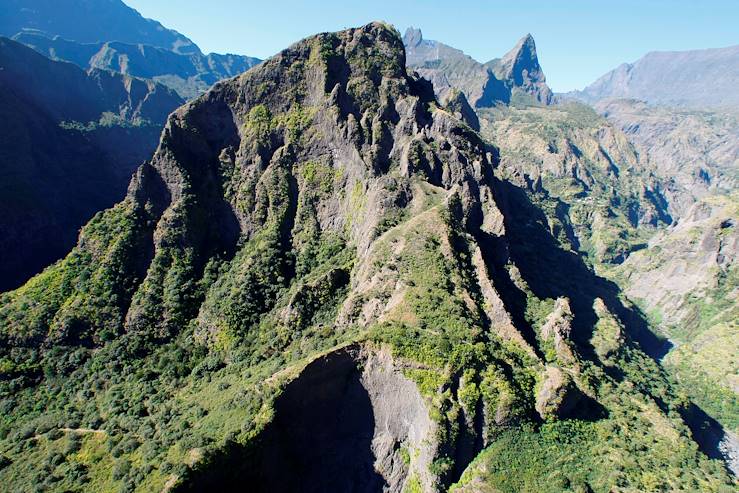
pixel 577 40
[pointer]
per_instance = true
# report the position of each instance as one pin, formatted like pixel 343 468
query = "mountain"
pixel 70 142
pixel 116 37
pixel 318 282
pixel 687 280
pixel 520 69
pixel 90 21
pixel 679 110
pixel 516 75
pixel 701 79
pixel 626 181
pixel 694 152
pixel 600 196
pixel 189 74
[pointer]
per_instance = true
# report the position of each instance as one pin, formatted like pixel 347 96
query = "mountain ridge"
pixel 517 73
pixel 113 20
pixel 189 74
pixel 72 141
pixel 695 78
pixel 323 222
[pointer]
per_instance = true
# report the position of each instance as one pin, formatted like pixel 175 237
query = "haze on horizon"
pixel 576 44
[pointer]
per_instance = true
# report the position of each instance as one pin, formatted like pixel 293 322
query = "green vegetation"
pixel 161 342
pixel 580 456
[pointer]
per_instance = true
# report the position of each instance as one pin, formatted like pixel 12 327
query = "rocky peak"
pixel 412 37
pixel 521 58
pixel 498 81
pixel 456 102
pixel 520 67
pixel 321 199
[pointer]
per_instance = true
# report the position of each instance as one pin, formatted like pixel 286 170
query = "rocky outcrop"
pixel 350 421
pixel 457 103
pixel 520 69
pixel 557 396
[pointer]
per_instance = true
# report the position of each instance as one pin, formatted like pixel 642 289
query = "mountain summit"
pixel 516 75
pixel 319 283
pixel 521 68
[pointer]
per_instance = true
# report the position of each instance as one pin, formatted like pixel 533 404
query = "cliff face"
pixel 71 141
pixel 317 238
pixel 693 152
pixel 520 69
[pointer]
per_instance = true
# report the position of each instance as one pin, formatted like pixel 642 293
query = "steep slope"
pixel 70 142
pixel 601 198
pixel 701 79
pixel 520 69
pixel 687 281
pixel 695 153
pixel 320 239
pixel 189 74
pixel 104 20
pixel 515 76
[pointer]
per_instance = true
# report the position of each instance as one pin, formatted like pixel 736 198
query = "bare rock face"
pixel 557 328
pixel 693 152
pixel 457 103
pixel 557 396
pixel 520 68
pixel 350 421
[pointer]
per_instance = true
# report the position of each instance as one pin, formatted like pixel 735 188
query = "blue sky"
pixel 577 40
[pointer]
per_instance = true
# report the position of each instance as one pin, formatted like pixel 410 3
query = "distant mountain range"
pixel 90 21
pixel 73 133
pixel 116 37
pixel 69 142
pixel 696 78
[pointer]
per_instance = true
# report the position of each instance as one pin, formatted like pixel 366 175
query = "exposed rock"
pixel 372 425
pixel 520 68
pixel 694 153
pixel 557 328
pixel 557 396
pixel 457 104
pixel 291 221
pixel 484 85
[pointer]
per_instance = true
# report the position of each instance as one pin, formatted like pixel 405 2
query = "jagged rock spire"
pixel 520 68
pixel 412 37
